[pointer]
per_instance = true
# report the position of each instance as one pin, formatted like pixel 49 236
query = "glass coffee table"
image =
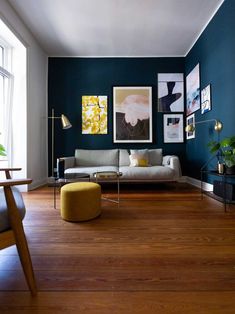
pixel 107 176
pixel 69 178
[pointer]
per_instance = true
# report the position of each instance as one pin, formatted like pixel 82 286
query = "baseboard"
pixel 205 186
pixel 36 184
pixel 182 179
pixel 195 182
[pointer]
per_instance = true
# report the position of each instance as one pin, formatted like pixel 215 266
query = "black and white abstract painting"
pixel 170 92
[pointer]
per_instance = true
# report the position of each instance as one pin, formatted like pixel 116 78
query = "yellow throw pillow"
pixel 138 160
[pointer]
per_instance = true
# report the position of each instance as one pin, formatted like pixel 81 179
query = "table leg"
pixel 55 194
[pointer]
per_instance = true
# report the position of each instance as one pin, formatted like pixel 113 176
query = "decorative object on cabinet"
pixel 226 150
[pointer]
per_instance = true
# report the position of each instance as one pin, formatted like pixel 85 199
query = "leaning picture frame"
pixel 190 120
pixel 173 128
pixel 132 114
pixel 193 91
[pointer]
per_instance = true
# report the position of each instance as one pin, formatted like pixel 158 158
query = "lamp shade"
pixel 190 128
pixel 65 122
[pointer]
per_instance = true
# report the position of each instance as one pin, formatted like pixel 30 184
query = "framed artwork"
pixel 190 120
pixel 193 90
pixel 132 114
pixel 206 99
pixel 173 128
pixel 94 114
pixel 170 92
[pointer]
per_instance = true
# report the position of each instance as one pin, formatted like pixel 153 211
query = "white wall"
pixel 36 97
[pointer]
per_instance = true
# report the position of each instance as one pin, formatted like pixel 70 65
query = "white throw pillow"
pixel 139 158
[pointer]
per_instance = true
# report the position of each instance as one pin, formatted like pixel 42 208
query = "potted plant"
pixel 225 151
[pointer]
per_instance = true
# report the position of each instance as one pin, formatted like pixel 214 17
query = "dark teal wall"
pixel 70 78
pixel 215 51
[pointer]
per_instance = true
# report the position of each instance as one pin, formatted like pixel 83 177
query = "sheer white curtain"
pixel 6 114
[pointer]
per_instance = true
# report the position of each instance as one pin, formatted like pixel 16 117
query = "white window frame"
pixel 4 72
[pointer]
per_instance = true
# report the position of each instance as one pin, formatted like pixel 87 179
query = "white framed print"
pixel 190 120
pixel 193 91
pixel 170 92
pixel 206 99
pixel 173 128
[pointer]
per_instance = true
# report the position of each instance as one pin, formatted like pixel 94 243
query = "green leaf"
pixel 2 150
pixel 214 147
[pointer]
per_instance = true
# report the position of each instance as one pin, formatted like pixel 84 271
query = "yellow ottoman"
pixel 80 201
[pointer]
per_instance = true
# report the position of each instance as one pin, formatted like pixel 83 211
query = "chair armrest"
pixel 10 169
pixel 7 171
pixel 11 182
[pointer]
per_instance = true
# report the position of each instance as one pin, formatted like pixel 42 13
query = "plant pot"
pixel 230 170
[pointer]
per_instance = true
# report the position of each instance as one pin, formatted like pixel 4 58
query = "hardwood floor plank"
pixel 118 302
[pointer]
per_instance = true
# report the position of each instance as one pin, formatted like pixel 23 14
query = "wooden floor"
pixel 163 250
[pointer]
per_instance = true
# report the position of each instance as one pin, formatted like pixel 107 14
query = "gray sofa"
pixel 161 168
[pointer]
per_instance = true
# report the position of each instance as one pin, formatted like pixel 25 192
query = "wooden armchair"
pixel 12 211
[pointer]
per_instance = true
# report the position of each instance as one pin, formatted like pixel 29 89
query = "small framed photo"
pixel 190 120
pixel 193 91
pixel 173 128
pixel 132 114
pixel 206 99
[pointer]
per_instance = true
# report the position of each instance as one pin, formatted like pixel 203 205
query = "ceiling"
pixel 116 27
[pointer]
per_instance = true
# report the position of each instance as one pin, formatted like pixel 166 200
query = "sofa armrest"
pixel 172 162
pixel 64 163
pixel 69 162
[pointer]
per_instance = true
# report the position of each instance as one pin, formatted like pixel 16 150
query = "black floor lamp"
pixel 65 125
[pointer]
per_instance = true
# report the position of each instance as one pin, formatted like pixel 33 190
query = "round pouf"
pixel 80 201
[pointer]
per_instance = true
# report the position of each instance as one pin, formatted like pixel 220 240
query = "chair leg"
pixel 26 263
pixel 20 240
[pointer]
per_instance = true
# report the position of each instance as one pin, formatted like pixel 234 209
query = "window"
pixel 6 79
pixel 1 56
pixel 13 101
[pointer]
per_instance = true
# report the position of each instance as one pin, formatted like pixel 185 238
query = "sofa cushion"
pixel 102 157
pixel 154 173
pixel 139 159
pixel 91 170
pixel 124 157
pixel 155 156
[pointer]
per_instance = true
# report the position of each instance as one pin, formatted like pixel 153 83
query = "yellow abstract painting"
pixel 94 114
